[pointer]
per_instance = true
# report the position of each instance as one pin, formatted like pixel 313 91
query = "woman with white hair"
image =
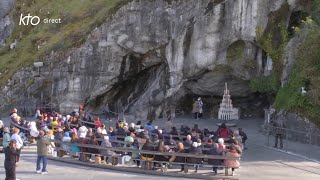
pixel 221 145
pixel 196 151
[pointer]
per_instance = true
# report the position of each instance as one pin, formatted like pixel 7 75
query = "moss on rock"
pixel 235 51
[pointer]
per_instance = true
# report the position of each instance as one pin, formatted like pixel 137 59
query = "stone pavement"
pixel 64 171
pixel 258 162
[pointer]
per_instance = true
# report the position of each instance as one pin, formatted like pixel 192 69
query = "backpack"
pixel 224 133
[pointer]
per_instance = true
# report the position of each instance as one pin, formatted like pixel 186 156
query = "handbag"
pixel 173 157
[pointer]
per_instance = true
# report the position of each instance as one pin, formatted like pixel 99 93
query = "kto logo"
pixel 26 20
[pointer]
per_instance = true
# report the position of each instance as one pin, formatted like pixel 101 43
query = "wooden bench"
pixel 149 162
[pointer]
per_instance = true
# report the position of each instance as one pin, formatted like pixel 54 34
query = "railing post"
pixel 268 138
pixel 286 140
pixel 310 139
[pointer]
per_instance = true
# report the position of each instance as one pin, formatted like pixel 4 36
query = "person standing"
pixel 279 132
pixel 42 152
pixel 10 160
pixel 195 110
pixel 200 107
pixel 244 138
pixel 19 142
pixel 106 110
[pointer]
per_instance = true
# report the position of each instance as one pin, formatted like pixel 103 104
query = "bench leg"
pixel 114 161
pixel 226 173
pixel 186 168
pixel 149 165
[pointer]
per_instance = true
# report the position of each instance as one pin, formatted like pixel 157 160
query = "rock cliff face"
pixel 151 54
pixel 6 24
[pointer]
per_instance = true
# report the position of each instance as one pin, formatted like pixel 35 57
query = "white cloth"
pixel 18 139
pixel 66 147
pixel 82 131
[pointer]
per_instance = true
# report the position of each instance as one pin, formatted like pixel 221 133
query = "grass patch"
pixel 78 17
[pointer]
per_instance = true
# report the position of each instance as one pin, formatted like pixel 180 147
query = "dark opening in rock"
pixel 296 19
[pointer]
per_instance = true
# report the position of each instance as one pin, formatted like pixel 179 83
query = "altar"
pixel 226 110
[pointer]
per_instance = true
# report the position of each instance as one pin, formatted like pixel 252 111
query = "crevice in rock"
pixel 123 94
pixel 209 8
pixel 295 20
pixel 187 38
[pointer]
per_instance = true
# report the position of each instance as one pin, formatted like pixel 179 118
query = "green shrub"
pixel 265 84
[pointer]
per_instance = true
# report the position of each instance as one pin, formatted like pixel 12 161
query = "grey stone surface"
pixel 6 23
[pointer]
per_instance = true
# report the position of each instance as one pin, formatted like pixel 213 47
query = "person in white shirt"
pixel 15 136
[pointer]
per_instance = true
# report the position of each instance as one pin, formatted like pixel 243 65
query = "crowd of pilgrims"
pixel 83 128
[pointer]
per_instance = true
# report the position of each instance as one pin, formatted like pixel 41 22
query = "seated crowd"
pixel 82 128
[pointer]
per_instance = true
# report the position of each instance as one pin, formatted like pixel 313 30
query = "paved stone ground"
pixel 258 162
pixel 58 170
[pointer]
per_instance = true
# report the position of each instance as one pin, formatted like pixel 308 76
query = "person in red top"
pixel 97 123
pixel 223 131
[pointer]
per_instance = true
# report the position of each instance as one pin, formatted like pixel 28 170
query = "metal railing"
pixel 302 143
